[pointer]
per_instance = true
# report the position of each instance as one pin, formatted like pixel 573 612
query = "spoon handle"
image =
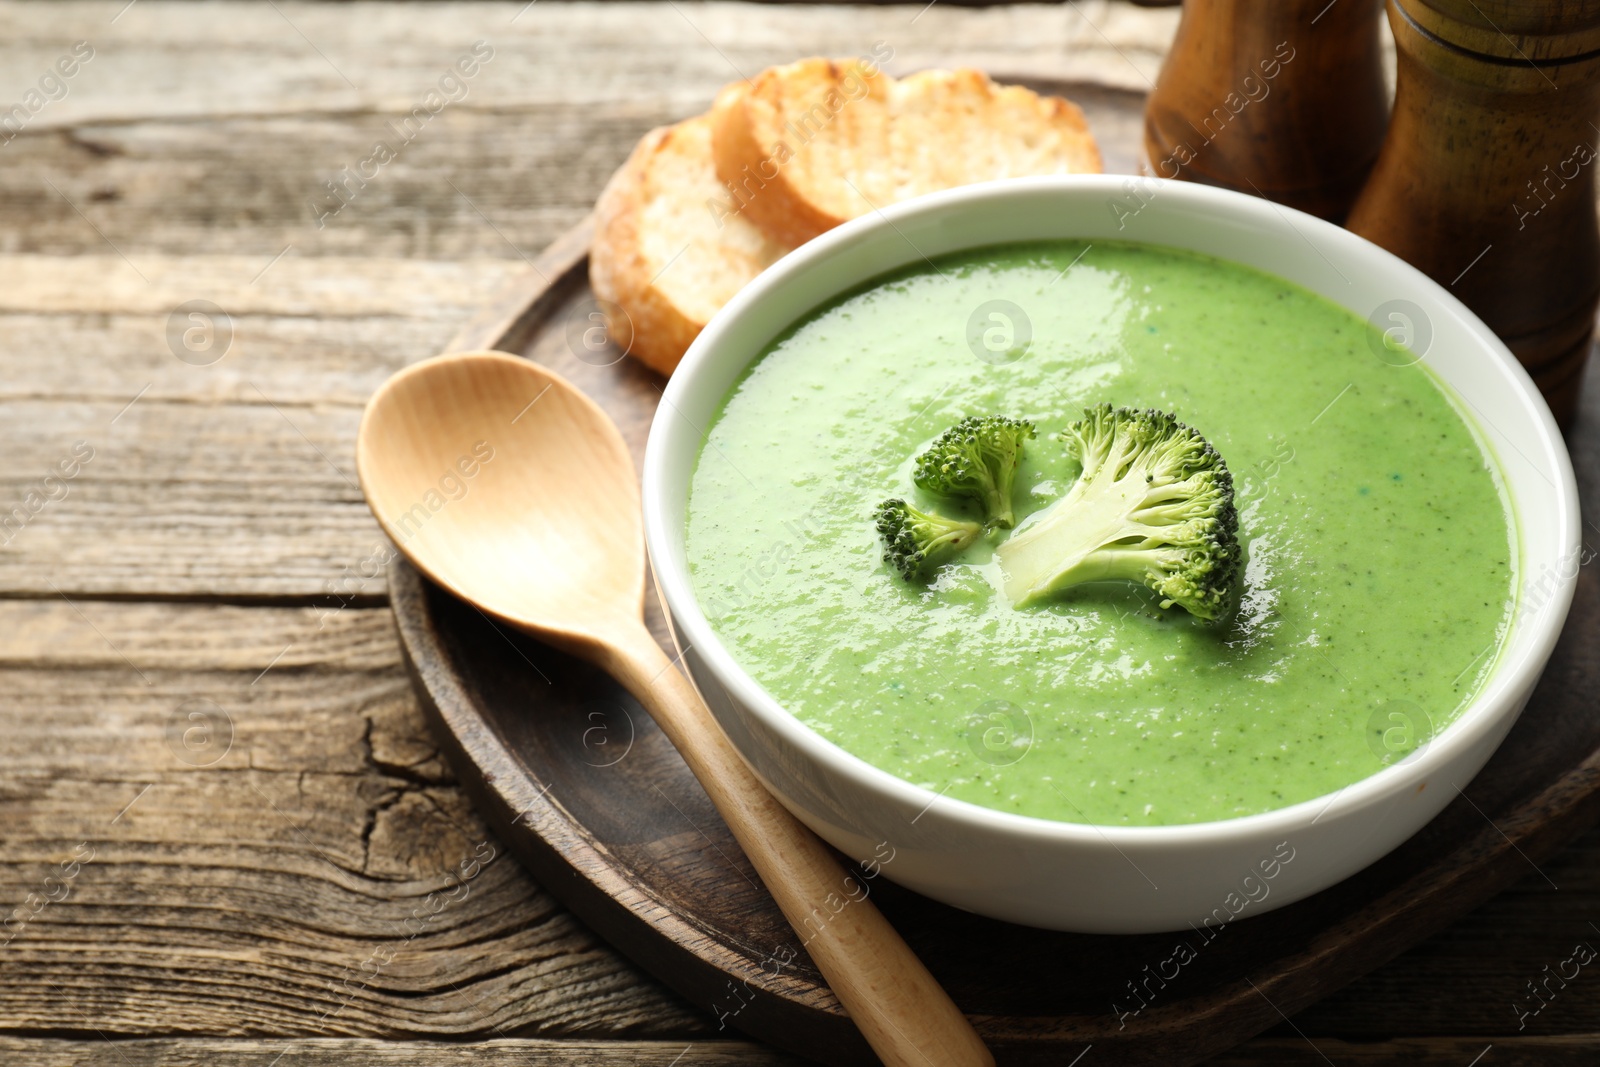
pixel 905 1015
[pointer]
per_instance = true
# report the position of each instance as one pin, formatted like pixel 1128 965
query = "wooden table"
pixel 224 829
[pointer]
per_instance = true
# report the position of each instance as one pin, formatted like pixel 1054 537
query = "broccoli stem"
pixel 1094 516
pixel 1153 504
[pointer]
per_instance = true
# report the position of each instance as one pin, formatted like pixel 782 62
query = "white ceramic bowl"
pixel 1102 878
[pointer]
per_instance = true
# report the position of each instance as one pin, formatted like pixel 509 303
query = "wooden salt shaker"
pixel 1486 180
pixel 1280 98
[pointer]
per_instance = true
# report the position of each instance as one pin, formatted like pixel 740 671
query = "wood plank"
pixel 1472 979
pixel 176 499
pixel 239 58
pixel 225 185
pixel 326 1052
pixel 342 288
pixel 1580 1048
pixel 296 860
pixel 325 331
pixel 166 154
pixel 294 359
pixel 249 461
pixel 1566 1050
pixel 156 638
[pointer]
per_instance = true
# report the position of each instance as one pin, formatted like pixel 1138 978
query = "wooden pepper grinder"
pixel 1280 98
pixel 1486 180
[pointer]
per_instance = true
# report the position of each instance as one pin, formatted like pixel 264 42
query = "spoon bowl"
pixel 511 489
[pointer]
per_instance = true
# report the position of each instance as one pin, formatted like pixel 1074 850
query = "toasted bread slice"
pixel 666 249
pixel 807 146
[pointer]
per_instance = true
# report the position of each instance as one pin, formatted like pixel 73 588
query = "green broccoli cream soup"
pixel 1377 574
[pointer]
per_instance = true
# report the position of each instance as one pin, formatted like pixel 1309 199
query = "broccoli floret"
pixel 916 542
pixel 1154 504
pixel 976 459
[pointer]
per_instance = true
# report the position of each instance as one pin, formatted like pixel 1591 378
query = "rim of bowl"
pixel 1492 703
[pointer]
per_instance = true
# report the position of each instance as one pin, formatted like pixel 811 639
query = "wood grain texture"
pixel 1485 184
pixel 1285 100
pixel 206 129
pixel 302 874
pixel 1576 1050
pixel 193 141
pixel 324 1052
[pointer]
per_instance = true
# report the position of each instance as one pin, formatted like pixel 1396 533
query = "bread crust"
pixel 809 145
pixel 666 250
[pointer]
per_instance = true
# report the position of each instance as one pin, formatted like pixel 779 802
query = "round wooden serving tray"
pixel 579 783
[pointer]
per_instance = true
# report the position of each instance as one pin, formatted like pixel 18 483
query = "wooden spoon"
pixel 547 535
